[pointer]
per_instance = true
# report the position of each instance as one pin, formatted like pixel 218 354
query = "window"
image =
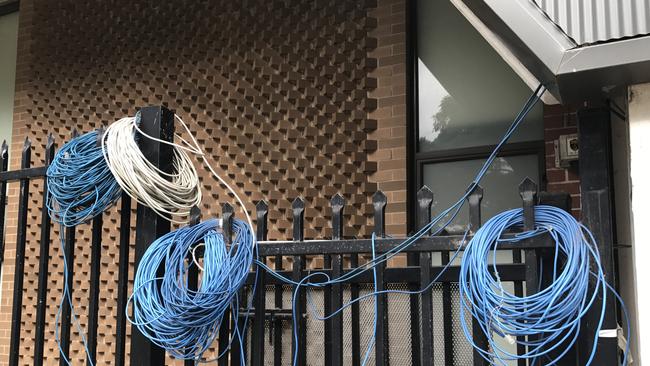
pixel 8 41
pixel 466 98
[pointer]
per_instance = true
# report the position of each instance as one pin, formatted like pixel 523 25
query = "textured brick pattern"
pixel 561 120
pixel 391 110
pixel 277 92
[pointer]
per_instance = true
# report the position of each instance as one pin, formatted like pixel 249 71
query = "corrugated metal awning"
pixel 588 22
pixel 580 49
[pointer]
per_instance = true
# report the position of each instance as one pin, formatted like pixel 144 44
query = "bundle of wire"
pixel 80 187
pixel 547 322
pixel 183 321
pixel 168 194
pixel 79 182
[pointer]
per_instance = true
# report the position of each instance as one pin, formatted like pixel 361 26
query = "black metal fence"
pixel 422 330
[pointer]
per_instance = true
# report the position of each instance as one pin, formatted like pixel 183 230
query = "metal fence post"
pixel 157 122
pixel 596 198
pixel 257 339
pixel 423 214
pixel 43 263
pixel 379 202
pixel 19 271
pixel 480 338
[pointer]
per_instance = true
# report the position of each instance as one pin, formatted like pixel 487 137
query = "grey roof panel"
pixel 592 21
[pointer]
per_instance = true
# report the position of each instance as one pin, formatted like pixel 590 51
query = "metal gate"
pixel 416 330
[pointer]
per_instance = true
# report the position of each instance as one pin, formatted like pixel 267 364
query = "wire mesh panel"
pixel 347 327
pixel 439 334
pixel 462 348
pixel 399 325
pixel 315 327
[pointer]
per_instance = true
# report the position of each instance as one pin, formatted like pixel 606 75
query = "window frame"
pixel 9 7
pixel 417 159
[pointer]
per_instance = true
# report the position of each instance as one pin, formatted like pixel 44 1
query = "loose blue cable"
pixel 183 321
pixel 80 187
pixel 80 184
pixel 549 320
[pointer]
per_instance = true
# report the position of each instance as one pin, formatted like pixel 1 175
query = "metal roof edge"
pixel 571 73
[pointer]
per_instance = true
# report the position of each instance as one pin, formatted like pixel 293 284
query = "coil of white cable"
pixel 171 195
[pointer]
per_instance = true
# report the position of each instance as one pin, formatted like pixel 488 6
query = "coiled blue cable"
pixel 80 187
pixel 183 321
pixel 79 183
pixel 549 320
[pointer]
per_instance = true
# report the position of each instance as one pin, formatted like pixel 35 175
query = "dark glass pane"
pixel 450 180
pixel 467 94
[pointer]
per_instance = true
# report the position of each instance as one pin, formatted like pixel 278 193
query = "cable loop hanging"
pixel 168 194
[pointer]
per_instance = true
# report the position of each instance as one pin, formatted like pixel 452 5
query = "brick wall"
pixel 391 111
pixel 297 95
pixel 561 120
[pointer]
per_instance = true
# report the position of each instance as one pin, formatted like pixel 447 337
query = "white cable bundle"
pixel 167 194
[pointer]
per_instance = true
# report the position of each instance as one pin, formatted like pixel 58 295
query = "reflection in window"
pixel 448 182
pixel 467 94
pixel 8 41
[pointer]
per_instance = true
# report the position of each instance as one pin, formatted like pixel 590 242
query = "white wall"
pixel 639 196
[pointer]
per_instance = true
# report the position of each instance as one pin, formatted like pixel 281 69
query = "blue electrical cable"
pixel 183 321
pixel 80 184
pixel 80 187
pixel 549 320
pixel 448 216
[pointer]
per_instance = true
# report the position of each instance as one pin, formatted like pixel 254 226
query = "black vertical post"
pixel 327 306
pixel 547 259
pixel 4 164
pixel 519 292
pixel 193 269
pixel 381 341
pixel 298 207
pixel 277 321
pixel 257 338
pixel 66 312
pixel 479 336
pixel 336 299
pixel 596 198
pixel 528 193
pixel 44 256
pixel 17 308
pixel 95 268
pixel 447 315
pixel 227 215
pixel 122 278
pixel 425 199
pixel 157 122
pixel 355 320
pixel 412 260
pixel 43 262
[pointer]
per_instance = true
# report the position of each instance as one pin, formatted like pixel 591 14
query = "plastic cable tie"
pixel 608 333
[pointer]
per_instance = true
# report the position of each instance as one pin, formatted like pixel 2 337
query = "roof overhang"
pixel 528 40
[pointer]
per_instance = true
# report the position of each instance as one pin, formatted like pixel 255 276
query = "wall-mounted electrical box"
pixel 566 150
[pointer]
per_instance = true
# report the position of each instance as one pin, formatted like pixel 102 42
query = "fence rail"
pixel 342 335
